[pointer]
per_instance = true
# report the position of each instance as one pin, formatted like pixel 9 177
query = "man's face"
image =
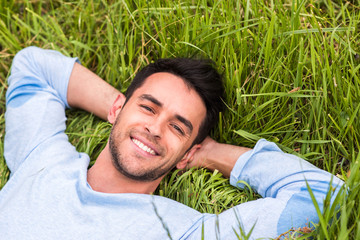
pixel 156 127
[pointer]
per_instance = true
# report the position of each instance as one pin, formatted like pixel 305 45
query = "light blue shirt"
pixel 48 197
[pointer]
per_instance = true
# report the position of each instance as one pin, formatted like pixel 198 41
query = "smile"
pixel 143 146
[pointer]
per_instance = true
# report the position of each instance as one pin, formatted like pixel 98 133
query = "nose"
pixel 155 127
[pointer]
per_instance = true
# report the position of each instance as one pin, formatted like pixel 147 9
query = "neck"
pixel 104 177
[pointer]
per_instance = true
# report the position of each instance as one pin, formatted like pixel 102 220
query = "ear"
pixel 115 108
pixel 188 157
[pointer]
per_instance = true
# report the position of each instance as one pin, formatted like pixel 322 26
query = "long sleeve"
pixel 35 101
pixel 281 179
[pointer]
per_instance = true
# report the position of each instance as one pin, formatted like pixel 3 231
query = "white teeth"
pixel 143 147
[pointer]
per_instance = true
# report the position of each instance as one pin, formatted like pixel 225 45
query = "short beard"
pixel 144 176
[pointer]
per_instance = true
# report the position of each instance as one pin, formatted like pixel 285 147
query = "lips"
pixel 144 147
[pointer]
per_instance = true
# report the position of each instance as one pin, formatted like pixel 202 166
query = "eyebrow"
pixel 151 99
pixel 186 122
pixel 183 120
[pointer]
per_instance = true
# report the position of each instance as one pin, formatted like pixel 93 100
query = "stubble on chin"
pixel 120 163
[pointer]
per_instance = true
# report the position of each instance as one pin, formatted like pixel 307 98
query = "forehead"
pixel 175 95
pixel 165 80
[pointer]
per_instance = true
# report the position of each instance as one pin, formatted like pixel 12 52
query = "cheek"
pixel 175 145
pixel 130 117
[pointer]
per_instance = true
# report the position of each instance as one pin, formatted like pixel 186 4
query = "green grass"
pixel 291 71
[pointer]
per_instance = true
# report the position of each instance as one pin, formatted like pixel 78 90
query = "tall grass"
pixel 291 71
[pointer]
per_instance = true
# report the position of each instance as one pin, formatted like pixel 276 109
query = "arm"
pixel 38 95
pixel 280 178
pixel 35 103
pixel 88 91
pixel 213 155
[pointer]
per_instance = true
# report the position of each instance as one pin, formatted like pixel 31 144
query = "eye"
pixel 147 108
pixel 178 129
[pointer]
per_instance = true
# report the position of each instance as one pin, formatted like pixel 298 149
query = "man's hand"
pixel 201 156
pixel 213 155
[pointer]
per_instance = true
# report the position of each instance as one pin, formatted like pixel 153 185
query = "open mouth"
pixel 143 147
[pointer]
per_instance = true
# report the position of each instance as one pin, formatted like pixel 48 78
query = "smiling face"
pixel 156 127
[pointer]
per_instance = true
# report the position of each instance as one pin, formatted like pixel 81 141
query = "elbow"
pixel 24 60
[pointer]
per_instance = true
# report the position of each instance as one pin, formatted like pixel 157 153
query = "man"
pixel 161 124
